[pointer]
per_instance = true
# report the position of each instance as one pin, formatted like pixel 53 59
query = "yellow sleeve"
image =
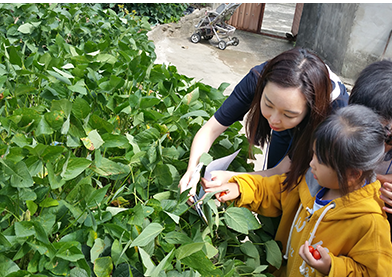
pixel 260 194
pixel 371 256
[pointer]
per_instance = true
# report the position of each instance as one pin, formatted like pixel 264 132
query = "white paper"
pixel 219 164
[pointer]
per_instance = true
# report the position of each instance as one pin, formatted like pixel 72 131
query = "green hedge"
pixel 94 139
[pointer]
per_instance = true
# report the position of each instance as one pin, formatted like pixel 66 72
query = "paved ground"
pixel 205 61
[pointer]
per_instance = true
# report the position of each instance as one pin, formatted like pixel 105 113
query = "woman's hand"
pixel 386 196
pixel 323 264
pixel 184 185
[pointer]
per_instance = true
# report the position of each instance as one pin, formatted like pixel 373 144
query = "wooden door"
pixel 249 17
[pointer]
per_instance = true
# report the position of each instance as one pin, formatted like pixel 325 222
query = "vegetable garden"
pixel 94 139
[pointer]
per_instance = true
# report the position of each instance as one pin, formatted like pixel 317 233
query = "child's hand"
pixel 231 190
pixel 323 264
pixel 218 177
pixel 386 196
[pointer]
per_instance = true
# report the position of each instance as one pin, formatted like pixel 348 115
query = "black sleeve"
pixel 342 99
pixel 238 103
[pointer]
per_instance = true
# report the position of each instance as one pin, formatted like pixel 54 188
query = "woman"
pixel 288 95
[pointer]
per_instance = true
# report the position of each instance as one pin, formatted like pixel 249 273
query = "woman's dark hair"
pixel 296 68
pixel 373 89
pixel 352 138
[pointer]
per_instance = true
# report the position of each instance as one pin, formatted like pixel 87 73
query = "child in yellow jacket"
pixel 335 206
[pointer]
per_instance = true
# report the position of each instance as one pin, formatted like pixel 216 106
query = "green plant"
pixel 157 12
pixel 94 138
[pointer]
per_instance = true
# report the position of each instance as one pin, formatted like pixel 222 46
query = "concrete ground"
pixel 205 61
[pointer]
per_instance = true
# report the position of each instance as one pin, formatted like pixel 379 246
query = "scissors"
pixel 194 180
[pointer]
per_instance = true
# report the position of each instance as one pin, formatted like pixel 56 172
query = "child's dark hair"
pixel 373 88
pixel 352 138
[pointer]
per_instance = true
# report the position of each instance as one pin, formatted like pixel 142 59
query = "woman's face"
pixel 284 108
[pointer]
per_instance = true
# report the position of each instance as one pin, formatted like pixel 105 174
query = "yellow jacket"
pixel 353 229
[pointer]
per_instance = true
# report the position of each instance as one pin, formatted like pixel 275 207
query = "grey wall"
pixel 325 28
pixel 347 36
pixel 372 25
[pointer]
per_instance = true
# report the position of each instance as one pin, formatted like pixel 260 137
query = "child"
pixel 344 220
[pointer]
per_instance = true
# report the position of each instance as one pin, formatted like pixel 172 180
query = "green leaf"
pixel 55 181
pixel 175 237
pixel 97 196
pixel 205 158
pixel 106 58
pixel 116 253
pixel 175 218
pixel 97 249
pixel 162 264
pixel 59 77
pixel 146 259
pixel 14 55
pixel 43 128
pixel 78 272
pixel 249 249
pixel 147 136
pixel 4 241
pixel 80 108
pixel 55 119
pixel 234 218
pixel 148 101
pixel 103 267
pixel 63 73
pixel 147 235
pixel 21 140
pixel 191 97
pixel 7 266
pixel 71 254
pixel 48 202
pixel 201 113
pixel 31 206
pixel 198 261
pixel 115 141
pixel 46 221
pixel 74 167
pixel 62 105
pixel 163 174
pixel 251 220
pixel 106 167
pixel 94 139
pixel 79 89
pixel 26 28
pixel 24 229
pixel 20 175
pixel 188 249
pixel 274 255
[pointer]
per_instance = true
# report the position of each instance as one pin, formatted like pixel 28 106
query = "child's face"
pixel 325 175
pixel 284 108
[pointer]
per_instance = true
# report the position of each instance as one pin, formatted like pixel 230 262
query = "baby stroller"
pixel 214 23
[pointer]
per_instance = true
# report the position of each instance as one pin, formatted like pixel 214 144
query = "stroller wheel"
pixel 235 41
pixel 208 37
pixel 222 45
pixel 195 38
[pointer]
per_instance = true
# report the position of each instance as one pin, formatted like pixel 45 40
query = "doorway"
pixel 272 19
